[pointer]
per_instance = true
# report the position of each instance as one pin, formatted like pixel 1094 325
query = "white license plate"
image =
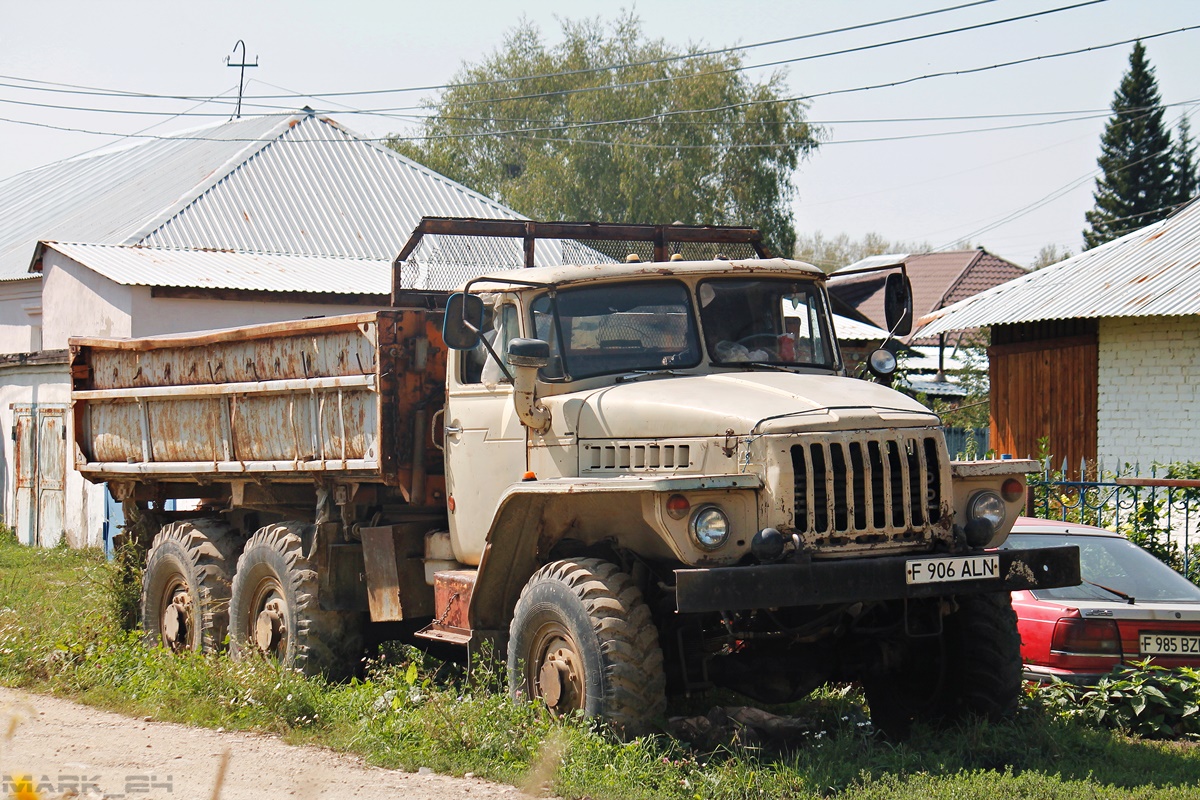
pixel 954 568
pixel 1168 644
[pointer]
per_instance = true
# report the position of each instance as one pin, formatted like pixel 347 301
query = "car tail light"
pixel 1086 637
pixel 1013 490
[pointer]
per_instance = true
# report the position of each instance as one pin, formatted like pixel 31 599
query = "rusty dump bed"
pixel 346 397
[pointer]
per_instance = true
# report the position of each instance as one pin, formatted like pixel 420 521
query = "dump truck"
pixel 627 477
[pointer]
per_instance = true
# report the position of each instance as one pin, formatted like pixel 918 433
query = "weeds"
pixel 59 633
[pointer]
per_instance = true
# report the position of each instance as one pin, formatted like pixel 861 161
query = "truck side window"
pixel 499 328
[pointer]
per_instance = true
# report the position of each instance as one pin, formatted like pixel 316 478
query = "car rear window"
pixel 1115 563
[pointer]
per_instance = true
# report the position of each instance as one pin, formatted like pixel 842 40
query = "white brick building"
pixel 1149 382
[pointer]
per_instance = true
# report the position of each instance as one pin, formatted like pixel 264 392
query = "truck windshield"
pixel 765 321
pixel 617 328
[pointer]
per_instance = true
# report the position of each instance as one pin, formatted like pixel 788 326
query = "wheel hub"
pixel 559 679
pixel 270 628
pixel 175 618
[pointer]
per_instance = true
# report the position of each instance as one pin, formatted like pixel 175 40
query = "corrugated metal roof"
pixel 107 197
pixel 293 184
pixel 1151 272
pixel 318 190
pixel 850 330
pixel 213 269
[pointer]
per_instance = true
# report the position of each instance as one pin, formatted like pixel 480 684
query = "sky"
pixel 886 166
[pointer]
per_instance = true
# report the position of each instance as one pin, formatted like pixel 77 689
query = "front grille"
pixel 867 486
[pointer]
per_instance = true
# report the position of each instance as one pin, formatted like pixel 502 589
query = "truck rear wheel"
pixel 973 669
pixel 186 585
pixel 274 611
pixel 582 638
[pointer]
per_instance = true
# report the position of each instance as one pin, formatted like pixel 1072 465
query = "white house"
pixel 256 220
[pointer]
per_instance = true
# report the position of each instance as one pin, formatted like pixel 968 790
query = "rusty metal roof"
pixel 1154 271
pixel 223 269
pixel 287 184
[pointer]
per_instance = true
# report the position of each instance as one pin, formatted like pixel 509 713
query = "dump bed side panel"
pixel 335 396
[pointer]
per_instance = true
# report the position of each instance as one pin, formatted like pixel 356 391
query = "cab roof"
pixel 575 273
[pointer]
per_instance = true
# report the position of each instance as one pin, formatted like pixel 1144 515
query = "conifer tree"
pixel 1183 164
pixel 1136 186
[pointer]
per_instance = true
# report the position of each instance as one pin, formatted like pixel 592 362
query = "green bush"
pixel 1144 700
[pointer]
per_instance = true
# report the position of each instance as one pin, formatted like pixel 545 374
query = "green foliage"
pixel 1142 700
pixel 1050 254
pixel 688 139
pixel 1136 187
pixel 1185 172
pixel 830 253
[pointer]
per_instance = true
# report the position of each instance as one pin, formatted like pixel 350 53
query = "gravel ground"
pixel 73 750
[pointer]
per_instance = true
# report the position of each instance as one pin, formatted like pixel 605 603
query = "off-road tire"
pixel 985 675
pixel 972 669
pixel 195 558
pixel 596 611
pixel 274 567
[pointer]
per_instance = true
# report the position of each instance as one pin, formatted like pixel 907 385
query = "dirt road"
pixel 65 746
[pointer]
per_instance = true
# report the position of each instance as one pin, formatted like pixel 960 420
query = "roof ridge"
pixel 287 123
pixel 962 273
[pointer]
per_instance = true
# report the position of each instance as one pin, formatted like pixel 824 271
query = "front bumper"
pixel 861 580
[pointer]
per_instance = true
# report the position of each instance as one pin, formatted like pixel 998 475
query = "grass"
pixel 58 634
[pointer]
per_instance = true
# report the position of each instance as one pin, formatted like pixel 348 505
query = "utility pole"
pixel 242 80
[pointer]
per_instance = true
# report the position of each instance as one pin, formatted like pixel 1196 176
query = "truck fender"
pixel 511 554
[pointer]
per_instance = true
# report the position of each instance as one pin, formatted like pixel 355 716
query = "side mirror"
pixel 528 353
pixel 898 304
pixel 463 321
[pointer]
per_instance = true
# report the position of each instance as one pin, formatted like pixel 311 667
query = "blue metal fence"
pixel 1161 515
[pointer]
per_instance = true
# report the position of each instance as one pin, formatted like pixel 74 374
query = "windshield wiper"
pixel 1128 598
pixel 644 373
pixel 767 364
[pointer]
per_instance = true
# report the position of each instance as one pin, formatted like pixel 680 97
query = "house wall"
pixel 79 302
pixel 21 316
pixel 158 315
pixel 1149 400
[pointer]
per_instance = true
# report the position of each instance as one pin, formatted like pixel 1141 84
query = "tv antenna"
pixel 242 80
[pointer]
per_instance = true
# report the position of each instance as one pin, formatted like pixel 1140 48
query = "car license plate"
pixel 954 568
pixel 1169 644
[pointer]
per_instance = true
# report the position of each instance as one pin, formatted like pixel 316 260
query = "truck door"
pixel 484 438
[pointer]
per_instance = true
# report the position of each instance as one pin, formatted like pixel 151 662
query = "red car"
pixel 1130 606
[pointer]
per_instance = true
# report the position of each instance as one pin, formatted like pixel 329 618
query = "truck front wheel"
pixel 582 638
pixel 274 610
pixel 973 669
pixel 185 586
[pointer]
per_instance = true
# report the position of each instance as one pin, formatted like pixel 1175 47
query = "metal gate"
pixel 39 437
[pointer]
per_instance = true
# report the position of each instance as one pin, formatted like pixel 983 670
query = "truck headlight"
pixel 985 515
pixel 709 527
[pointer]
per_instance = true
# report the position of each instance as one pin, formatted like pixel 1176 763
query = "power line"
pixel 631 84
pixel 92 90
pixel 844 51
pixel 1049 198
